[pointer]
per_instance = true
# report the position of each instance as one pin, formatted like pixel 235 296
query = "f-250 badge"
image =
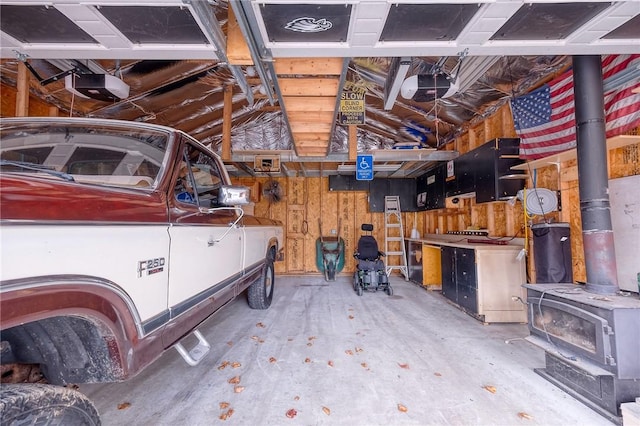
pixel 151 266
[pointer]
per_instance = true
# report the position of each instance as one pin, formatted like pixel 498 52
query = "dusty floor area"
pixel 323 355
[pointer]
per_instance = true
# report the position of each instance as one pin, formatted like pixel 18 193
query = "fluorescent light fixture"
pixel 472 69
pixel 623 77
pixel 397 72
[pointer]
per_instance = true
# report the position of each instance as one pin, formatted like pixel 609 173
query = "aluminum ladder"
pixel 394 236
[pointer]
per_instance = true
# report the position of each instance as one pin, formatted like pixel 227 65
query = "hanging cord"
pixel 73 98
pixel 305 221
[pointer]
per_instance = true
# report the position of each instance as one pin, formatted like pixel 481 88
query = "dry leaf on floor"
pixel 309 344
pixel 234 380
pixel 405 366
pixel 224 405
pixel 236 365
pixel 364 365
pixel 312 338
pixel 348 352
pixel 402 408
pixel 260 325
pixel 223 365
pixel 124 405
pixel 255 337
pixel 296 398
pixel 307 360
pixel 437 374
pixel 351 317
pixel 292 413
pixel 272 360
pixel 524 415
pixel 359 349
pixel 326 411
pixel 230 343
pixel 238 389
pixel 226 414
pixel 330 363
pixel 491 389
pixel 290 339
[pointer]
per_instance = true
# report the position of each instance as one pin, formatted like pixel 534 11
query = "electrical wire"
pixel 544 328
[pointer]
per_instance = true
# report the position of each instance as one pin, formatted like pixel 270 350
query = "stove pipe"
pixel 597 232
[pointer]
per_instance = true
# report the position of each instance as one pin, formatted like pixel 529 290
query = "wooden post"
pixel 353 142
pixel 53 111
pixel 226 122
pixel 22 97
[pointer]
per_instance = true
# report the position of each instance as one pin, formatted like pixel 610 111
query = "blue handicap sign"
pixel 364 167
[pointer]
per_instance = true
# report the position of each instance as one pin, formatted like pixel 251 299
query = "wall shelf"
pixel 612 143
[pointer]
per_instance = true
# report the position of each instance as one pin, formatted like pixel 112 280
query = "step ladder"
pixel 394 236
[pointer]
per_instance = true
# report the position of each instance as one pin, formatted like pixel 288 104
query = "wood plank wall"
pixel 308 202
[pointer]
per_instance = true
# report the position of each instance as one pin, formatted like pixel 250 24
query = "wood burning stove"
pixel 592 343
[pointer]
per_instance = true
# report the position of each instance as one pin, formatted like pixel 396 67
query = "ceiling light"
pixel 397 72
pixel 472 68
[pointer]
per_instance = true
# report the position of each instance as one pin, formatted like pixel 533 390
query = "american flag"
pixel 545 118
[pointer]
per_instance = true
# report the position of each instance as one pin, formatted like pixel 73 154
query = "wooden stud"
pixel 238 52
pixel 353 142
pixel 22 98
pixel 226 122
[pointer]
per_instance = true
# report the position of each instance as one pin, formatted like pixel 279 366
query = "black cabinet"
pixel 494 179
pixel 431 188
pixel 405 188
pixel 449 286
pixel 486 171
pixel 459 278
pixel 414 260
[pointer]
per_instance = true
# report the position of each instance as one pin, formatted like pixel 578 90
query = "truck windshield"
pixel 112 155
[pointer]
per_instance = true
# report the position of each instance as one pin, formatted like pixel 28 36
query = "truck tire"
pixel 31 404
pixel 260 293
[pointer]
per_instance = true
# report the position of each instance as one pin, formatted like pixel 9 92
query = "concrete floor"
pixel 336 358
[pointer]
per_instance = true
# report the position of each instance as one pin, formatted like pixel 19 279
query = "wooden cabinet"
pixel 483 279
pixel 485 282
pixel 424 264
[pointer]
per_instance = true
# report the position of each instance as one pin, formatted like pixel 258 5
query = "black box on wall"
pixel 492 162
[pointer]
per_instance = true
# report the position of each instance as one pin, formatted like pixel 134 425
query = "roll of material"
pixel 539 201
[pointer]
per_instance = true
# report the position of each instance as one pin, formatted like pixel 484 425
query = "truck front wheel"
pixel 35 404
pixel 260 293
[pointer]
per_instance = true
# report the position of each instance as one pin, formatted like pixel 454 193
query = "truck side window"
pixel 204 177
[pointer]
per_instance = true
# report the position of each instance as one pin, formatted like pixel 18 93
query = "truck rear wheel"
pixel 260 293
pixel 31 404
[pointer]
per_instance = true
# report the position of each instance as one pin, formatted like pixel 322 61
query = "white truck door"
pixel 206 249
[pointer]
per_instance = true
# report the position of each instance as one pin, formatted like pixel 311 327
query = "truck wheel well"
pixel 69 349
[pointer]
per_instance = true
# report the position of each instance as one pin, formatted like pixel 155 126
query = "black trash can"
pixel 552 252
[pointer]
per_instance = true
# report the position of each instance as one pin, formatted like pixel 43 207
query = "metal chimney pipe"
pixel 597 232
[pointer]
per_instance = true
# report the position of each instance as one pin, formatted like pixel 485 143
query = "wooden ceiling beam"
pixel 308 126
pixel 310 116
pixel 310 103
pixel 238 52
pixel 309 86
pixel 309 66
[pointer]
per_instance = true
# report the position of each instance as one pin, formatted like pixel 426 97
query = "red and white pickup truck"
pixel 118 240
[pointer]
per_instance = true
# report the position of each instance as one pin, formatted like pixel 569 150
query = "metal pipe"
pixel 597 232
